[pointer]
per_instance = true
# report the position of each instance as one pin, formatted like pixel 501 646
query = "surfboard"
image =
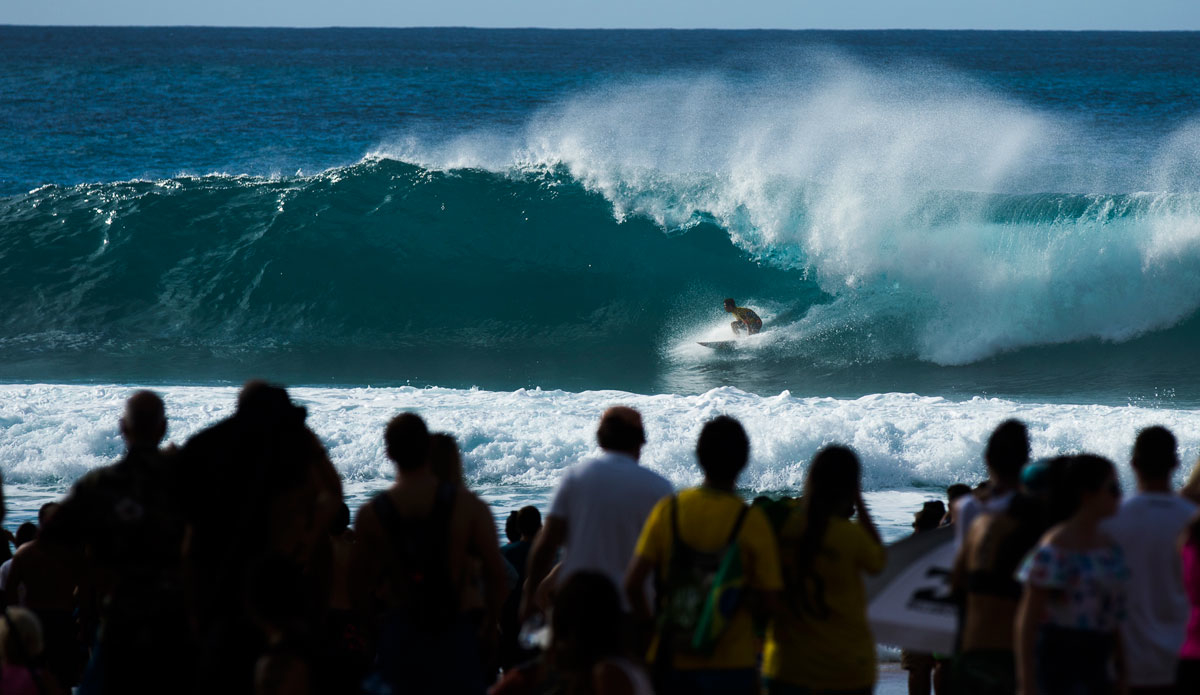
pixel 910 604
pixel 719 344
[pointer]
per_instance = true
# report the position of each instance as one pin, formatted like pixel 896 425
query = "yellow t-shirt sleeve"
pixel 655 537
pixel 759 539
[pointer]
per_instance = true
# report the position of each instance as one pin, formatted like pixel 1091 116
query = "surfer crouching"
pixel 747 319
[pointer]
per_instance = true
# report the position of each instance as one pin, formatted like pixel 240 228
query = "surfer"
pixel 747 319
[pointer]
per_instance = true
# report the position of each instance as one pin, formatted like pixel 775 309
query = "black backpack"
pixel 428 597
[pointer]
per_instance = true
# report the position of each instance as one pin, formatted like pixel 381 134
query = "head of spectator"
pixel 21 641
pixel 529 522
pixel 511 530
pixel 445 459
pixel 26 532
pixel 144 423
pixel 930 516
pixel 1155 457
pixel 47 511
pixel 1006 454
pixel 407 441
pixel 953 494
pixel 722 452
pixel 621 431
pixel 585 627
pixel 955 491
pixel 1091 490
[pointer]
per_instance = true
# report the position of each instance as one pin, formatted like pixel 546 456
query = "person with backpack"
pixel 820 641
pixel 709 553
pixel 410 559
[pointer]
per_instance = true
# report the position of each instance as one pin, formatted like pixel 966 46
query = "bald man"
pixel 122 524
pixel 599 508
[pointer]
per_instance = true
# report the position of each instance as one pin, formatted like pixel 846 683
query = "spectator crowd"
pixel 154 574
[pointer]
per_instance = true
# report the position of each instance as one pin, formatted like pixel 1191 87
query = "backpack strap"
pixel 737 525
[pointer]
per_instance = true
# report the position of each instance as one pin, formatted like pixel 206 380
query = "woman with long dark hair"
pixel 822 642
pixel 1074 599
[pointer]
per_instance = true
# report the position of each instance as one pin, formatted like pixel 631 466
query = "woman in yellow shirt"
pixel 821 643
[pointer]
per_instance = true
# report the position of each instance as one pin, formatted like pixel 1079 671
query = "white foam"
pixel 52 434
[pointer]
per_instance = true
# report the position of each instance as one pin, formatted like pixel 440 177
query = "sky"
pixel 718 14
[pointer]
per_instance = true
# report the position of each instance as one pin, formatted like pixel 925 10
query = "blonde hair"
pixel 20 635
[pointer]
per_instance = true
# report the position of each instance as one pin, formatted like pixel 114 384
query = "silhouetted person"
pixel 528 524
pixel 683 545
pixel 1006 454
pixel 44 577
pixel 1147 527
pixel 599 508
pixel 123 522
pixel 822 642
pixel 1072 609
pixel 413 545
pixel 256 484
pixel 25 533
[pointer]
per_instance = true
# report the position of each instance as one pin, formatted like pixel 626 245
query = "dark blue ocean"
pixel 509 229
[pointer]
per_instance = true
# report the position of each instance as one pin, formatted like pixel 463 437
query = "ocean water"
pixel 508 230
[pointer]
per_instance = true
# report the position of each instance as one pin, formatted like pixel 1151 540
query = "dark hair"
pixel 26 532
pixel 1008 450
pixel 341 521
pixel 445 458
pixel 407 440
pixel 265 404
pixel 930 516
pixel 1154 453
pixel 621 430
pixel 722 449
pixel 831 484
pixel 529 521
pixel 586 623
pixel 1083 474
pixel 729 301
pixel 512 531
pixel 46 511
pixel 957 490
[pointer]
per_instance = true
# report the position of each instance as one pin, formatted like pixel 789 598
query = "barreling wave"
pixel 390 265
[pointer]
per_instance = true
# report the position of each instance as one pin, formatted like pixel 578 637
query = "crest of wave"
pixel 913 196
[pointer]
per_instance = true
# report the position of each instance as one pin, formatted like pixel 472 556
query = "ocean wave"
pixel 390 256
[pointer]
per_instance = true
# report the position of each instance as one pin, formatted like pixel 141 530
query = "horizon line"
pixel 329 27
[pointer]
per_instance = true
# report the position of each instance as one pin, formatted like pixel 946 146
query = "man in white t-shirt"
pixel 599 508
pixel 1147 527
pixel 1006 454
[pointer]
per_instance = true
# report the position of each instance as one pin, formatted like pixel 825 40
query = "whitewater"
pixel 508 231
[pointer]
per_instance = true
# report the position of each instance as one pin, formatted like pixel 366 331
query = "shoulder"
pixel 610 677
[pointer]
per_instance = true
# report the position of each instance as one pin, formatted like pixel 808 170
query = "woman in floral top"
pixel 1074 599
